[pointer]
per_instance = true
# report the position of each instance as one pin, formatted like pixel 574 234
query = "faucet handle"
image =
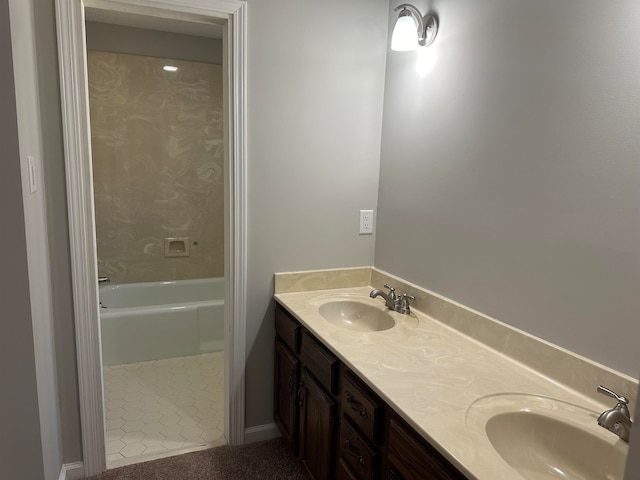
pixel 392 291
pixel 403 303
pixel 604 390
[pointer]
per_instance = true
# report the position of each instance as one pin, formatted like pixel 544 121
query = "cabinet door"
pixel 286 377
pixel 411 458
pixel 318 414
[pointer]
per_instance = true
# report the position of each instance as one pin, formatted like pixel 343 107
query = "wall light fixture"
pixel 412 29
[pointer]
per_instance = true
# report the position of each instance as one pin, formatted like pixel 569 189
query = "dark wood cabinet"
pixel 410 457
pixel 318 414
pixel 285 402
pixel 335 424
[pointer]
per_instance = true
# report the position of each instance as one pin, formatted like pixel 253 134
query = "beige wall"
pixel 509 171
pixel 157 151
pixel 20 443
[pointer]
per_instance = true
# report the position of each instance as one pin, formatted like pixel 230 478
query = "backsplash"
pixel 557 364
pixel 157 147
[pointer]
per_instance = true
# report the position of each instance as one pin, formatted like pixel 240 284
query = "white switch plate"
pixel 33 176
pixel 366 222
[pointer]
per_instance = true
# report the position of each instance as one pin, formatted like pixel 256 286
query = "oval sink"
pixel 543 438
pixel 356 316
pixel 540 447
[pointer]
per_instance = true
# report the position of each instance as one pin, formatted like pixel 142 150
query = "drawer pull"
pixel 356 406
pixel 354 451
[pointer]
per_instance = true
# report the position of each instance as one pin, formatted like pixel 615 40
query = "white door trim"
pixel 75 110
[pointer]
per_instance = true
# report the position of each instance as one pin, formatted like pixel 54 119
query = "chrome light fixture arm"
pixel 427 25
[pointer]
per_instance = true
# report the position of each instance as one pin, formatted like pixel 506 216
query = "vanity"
pixel 335 424
pixel 363 392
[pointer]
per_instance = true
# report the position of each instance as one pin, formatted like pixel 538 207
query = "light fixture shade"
pixel 405 34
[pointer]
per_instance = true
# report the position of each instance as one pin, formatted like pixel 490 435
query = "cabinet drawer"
pixel 362 407
pixel 356 452
pixel 321 362
pixel 410 457
pixel 288 329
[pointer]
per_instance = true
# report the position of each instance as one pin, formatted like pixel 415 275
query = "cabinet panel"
pixel 318 412
pixel 288 329
pixel 412 458
pixel 286 375
pixel 321 362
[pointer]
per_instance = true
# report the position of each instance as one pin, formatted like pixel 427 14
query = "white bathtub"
pixel 149 321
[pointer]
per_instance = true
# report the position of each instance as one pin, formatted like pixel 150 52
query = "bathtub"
pixel 154 320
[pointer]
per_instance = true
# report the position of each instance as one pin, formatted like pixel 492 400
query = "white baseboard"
pixel 72 471
pixel 261 432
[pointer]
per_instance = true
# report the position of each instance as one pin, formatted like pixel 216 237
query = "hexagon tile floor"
pixel 163 407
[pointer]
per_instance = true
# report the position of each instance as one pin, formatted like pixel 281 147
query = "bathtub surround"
pixel 157 148
pixel 567 368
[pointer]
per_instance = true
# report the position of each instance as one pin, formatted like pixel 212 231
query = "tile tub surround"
pixel 157 149
pixel 431 373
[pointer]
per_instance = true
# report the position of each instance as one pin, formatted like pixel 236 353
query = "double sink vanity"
pixel 429 389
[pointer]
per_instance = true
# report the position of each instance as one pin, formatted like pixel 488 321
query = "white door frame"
pixel 77 142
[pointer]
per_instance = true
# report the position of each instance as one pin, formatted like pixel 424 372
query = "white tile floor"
pixel 163 407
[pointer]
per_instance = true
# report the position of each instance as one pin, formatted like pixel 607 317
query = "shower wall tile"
pixel 157 148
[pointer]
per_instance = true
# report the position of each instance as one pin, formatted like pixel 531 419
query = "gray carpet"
pixel 264 460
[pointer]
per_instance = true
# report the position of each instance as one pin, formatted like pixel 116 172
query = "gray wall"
pixel 316 78
pixel 20 444
pixel 152 43
pixel 58 228
pixel 509 172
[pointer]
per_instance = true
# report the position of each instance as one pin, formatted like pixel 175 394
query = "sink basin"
pixel 544 438
pixel 356 315
pixel 540 447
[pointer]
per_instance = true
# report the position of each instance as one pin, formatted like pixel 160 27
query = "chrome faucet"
pixel 397 303
pixel 616 419
pixel 104 279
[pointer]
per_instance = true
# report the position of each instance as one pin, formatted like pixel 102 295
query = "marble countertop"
pixel 432 375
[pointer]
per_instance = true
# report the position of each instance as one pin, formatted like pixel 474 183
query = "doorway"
pixel 230 16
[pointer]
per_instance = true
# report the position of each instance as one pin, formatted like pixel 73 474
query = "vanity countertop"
pixel 431 374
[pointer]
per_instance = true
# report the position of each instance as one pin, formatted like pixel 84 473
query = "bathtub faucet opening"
pixel 103 280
